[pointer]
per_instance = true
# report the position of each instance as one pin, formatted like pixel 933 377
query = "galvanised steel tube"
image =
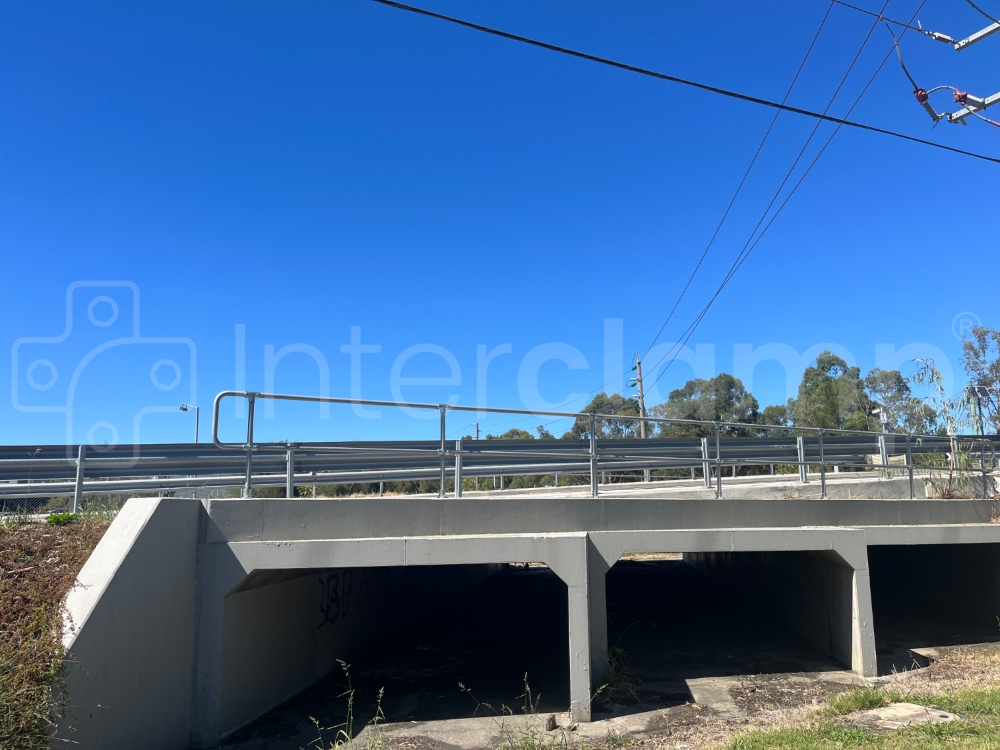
pixel 593 456
pixel 250 412
pixel 443 450
pixel 822 466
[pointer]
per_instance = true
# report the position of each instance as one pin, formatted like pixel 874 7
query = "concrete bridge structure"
pixel 194 617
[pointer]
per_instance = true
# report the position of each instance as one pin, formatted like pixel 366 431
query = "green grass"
pixel 858 700
pixel 979 731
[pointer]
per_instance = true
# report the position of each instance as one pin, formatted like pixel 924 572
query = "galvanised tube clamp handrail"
pixel 252 396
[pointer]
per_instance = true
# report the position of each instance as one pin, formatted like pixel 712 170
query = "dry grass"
pixel 38 564
pixel 957 668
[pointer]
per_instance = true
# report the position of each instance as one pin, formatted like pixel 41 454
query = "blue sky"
pixel 303 168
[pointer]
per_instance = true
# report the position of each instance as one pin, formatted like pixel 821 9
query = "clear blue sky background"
pixel 304 167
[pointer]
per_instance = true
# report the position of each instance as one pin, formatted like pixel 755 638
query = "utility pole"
pixel 476 479
pixel 477 430
pixel 642 407
pixel 642 399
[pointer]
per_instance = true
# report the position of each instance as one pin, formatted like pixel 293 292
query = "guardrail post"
pixel 909 465
pixel 593 456
pixel 822 465
pixel 441 450
pixel 458 468
pixel 289 473
pixel 251 399
pixel 718 464
pixel 706 474
pixel 800 443
pixel 81 459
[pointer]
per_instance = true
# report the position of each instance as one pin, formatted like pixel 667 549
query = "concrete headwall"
pixel 130 632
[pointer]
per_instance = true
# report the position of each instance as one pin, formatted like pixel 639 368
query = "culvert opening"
pixel 933 595
pixel 441 642
pixel 678 623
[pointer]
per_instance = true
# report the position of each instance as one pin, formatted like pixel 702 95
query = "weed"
pixel 62 519
pixel 620 680
pixel 529 735
pixel 343 733
pixel 618 739
pixel 376 738
pixel 479 704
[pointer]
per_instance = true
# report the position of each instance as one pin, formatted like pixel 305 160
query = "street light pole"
pixel 197 417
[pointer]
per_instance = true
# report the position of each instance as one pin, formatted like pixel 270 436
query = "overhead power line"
pixel 739 188
pixel 725 214
pixel 682 81
pixel 749 248
pixel 880 17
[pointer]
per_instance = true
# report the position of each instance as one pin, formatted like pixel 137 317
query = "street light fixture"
pixel 197 417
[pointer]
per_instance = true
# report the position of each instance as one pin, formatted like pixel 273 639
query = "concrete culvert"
pixel 678 625
pixel 932 595
pixel 441 642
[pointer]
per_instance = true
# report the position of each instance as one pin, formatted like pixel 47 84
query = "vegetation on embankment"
pixel 38 564
pixel 836 728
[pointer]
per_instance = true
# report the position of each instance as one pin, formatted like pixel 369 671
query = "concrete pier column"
pixel 597 569
pixel 579 651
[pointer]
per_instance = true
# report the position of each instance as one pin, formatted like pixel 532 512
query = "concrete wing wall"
pixel 129 632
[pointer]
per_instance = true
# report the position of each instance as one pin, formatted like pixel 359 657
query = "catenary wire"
pixel 880 17
pixel 982 11
pixel 791 169
pixel 682 81
pixel 742 258
pixel 725 214
pixel 746 174
pixel 739 188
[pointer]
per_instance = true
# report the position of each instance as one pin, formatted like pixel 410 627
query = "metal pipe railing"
pixel 594 452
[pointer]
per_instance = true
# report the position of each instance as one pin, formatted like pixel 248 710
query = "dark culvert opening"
pixel 671 623
pixel 933 595
pixel 429 631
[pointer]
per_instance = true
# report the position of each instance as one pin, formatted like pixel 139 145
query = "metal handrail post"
pixel 718 464
pixel 81 459
pixel 705 470
pixel 593 455
pixel 909 465
pixel 982 464
pixel 251 399
pixel 458 468
pixel 883 455
pixel 822 465
pixel 800 444
pixel 289 473
pixel 442 450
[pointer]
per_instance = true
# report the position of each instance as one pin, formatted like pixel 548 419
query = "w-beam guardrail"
pixel 52 471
